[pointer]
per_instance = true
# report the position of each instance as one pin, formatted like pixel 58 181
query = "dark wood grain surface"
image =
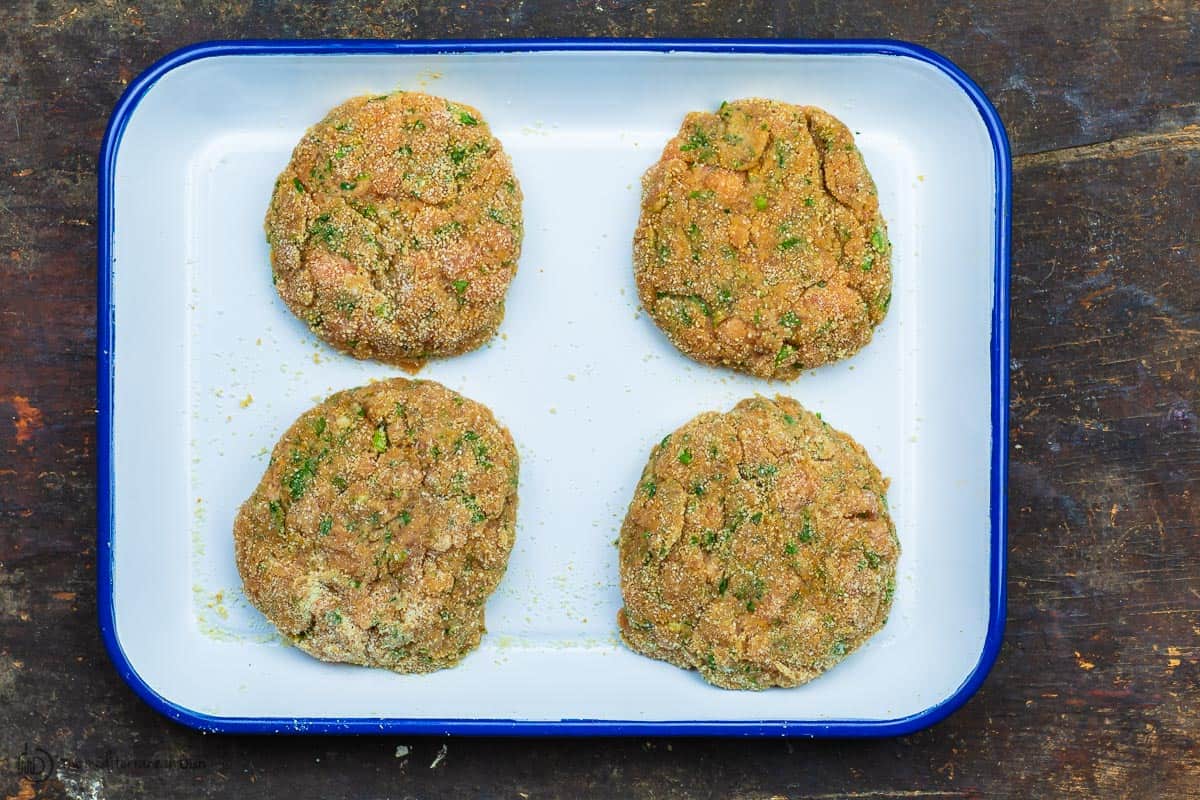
pixel 1096 690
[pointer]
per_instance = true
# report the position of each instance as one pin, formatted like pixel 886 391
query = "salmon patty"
pixel 383 523
pixel 396 227
pixel 757 549
pixel 760 246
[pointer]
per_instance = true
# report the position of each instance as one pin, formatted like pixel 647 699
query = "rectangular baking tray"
pixel 202 367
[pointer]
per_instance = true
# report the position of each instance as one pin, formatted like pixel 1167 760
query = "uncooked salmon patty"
pixel 757 549
pixel 383 522
pixel 396 227
pixel 760 245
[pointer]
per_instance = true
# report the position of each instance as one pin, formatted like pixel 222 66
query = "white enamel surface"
pixel 584 381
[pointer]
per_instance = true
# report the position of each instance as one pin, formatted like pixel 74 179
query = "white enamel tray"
pixel 202 367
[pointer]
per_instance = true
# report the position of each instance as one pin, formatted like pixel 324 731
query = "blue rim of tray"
pixel 567 727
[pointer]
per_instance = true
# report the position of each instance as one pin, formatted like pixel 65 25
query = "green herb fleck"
pixel 460 286
pixel 685 456
pixel 723 585
pixel 650 488
pixel 301 478
pixel 760 202
pixel 299 186
pixel 806 532
pixel 326 525
pixel 868 262
pixel 697 141
pixel 327 232
pixel 379 439
pixel 790 548
pixel 319 425
pixel 405 517
pixel 790 320
pixel 756 517
pixel 785 353
pixel 466 119
pixel 790 242
pixel 808 201
pixel 878 240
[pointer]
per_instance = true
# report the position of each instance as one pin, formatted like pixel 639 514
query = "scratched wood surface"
pixel 1096 690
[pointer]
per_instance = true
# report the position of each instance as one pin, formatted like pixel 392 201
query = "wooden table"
pixel 1096 691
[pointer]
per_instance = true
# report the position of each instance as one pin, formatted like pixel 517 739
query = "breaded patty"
pixel 396 227
pixel 382 524
pixel 761 246
pixel 758 548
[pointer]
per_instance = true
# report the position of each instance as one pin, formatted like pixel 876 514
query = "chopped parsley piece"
pixel 723 585
pixel 685 456
pixel 790 548
pixel 839 649
pixel 326 525
pixel 299 186
pixel 873 559
pixel 878 240
pixel 301 478
pixel 319 425
pixel 806 532
pixel 789 419
pixel 697 141
pixel 756 517
pixel 808 201
pixel 785 353
pixel 327 232
pixel 760 202
pixel 868 262
pixel 460 287
pixel 405 517
pixel 466 119
pixel 650 488
pixel 379 439
pixel 790 320
pixel 790 242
